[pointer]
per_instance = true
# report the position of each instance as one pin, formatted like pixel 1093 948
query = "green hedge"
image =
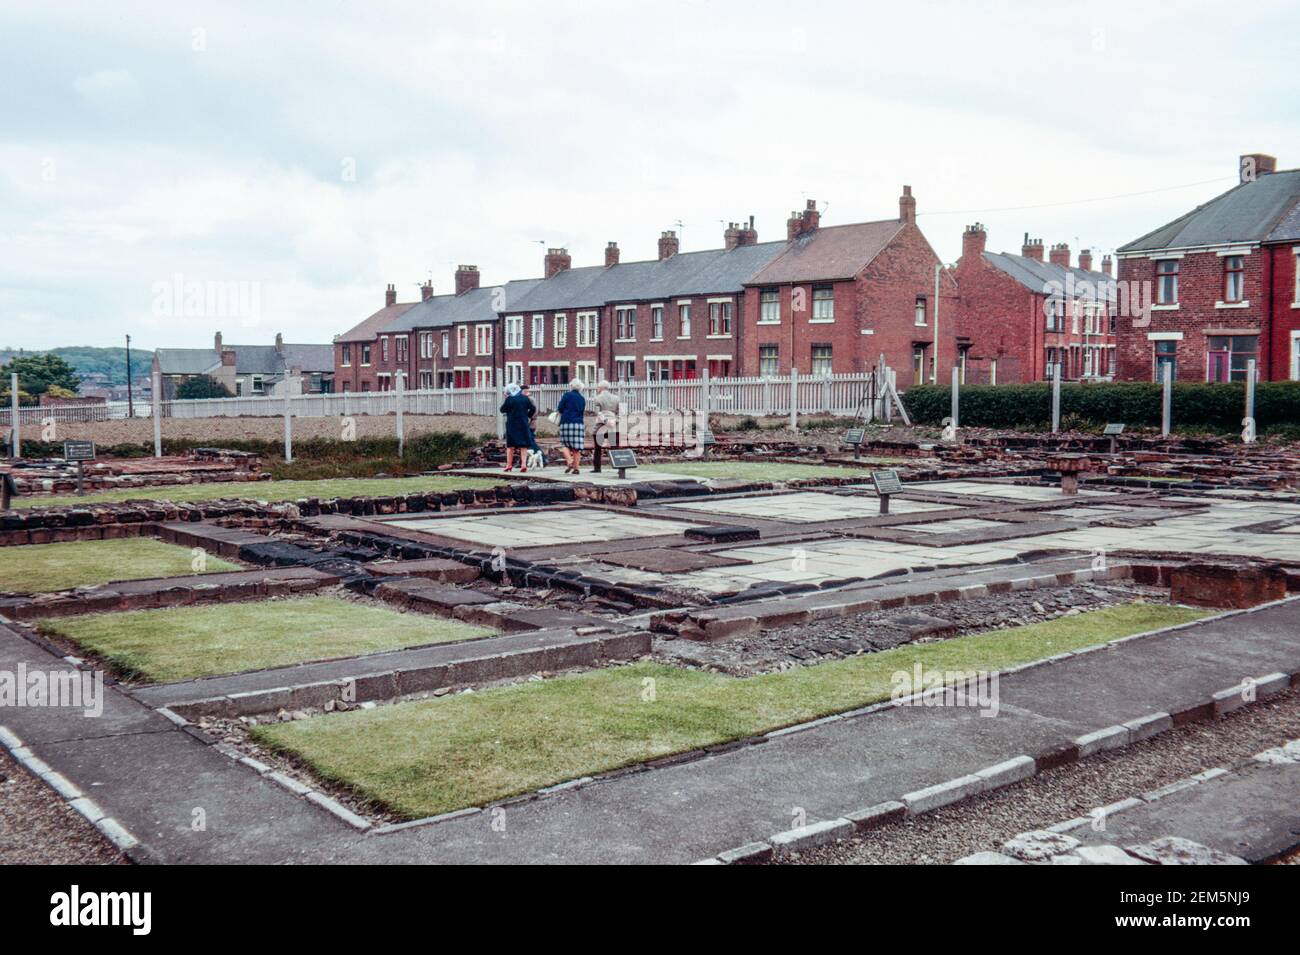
pixel 1214 407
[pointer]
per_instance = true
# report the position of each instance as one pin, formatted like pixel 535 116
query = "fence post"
pixel 399 385
pixel 956 376
pixel 288 423
pixel 157 415
pixel 13 414
pixel 1166 400
pixel 794 398
pixel 1248 431
pixel 705 403
pixel 500 378
pixel 1056 397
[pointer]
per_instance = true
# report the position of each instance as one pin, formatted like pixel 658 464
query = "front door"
pixel 1218 366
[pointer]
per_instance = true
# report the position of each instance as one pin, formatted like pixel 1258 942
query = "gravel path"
pixel 987 821
pixel 37 827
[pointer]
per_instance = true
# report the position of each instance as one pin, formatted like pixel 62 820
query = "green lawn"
pixel 426 757
pixel 769 470
pixel 269 490
pixel 181 643
pixel 39 568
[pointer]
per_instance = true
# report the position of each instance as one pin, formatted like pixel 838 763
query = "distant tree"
pixel 202 386
pixel 37 373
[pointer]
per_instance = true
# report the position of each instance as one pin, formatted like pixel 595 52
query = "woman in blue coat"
pixel 518 438
pixel 573 430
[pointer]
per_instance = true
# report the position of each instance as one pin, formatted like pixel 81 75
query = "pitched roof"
pixel 1046 277
pixel 476 305
pixel 376 323
pixel 1251 211
pixel 186 361
pixel 256 360
pixel 831 252
pixel 308 357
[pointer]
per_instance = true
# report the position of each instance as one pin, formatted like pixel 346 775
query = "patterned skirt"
pixel 573 434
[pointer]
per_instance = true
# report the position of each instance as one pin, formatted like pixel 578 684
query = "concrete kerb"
pixel 112 830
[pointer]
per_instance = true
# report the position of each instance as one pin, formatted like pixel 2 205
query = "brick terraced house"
pixel 1018 315
pixel 825 300
pixel 1224 284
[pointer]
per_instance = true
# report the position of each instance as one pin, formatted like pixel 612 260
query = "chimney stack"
pixel 800 223
pixel 611 254
pixel 1060 255
pixel 747 234
pixel 426 291
pixel 1032 249
pixel 1105 264
pixel 667 245
pixel 906 206
pixel 731 237
pixel 216 343
pixel 466 279
pixel 279 344
pixel 973 241
pixel 556 261
pixel 1253 165
pixel 1085 259
pixel 390 296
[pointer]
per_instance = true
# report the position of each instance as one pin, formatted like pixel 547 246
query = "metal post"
pixel 956 375
pixel 1248 434
pixel 288 422
pixel 934 375
pixel 1056 397
pixel 157 415
pixel 794 398
pixel 1166 403
pixel 501 419
pixel 399 387
pixel 13 415
pixel 704 395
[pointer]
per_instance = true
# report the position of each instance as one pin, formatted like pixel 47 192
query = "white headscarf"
pixel 512 389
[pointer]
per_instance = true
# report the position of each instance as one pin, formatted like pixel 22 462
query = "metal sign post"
pixel 80 452
pixel 621 459
pixel 1166 402
pixel 1113 431
pixel 887 483
pixel 855 437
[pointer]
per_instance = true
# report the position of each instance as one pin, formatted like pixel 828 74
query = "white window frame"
pixel 514 332
pixel 726 317
pixel 446 344
pixel 921 312
pixel 366 355
pixel 345 355
pixel 776 359
pixel 585 370
pixel 484 333
pixel 383 348
pixel 515 372
pixel 770 316
pixel 625 318
pixel 539 331
pixel 683 319
pixel 657 322
pixel 462 340
pixel 560 331
pixel 588 329
pixel 483 376
pixel 823 309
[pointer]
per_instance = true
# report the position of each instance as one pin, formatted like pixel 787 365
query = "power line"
pixel 1075 202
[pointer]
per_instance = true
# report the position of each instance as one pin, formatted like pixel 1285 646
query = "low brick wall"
pixel 1227 585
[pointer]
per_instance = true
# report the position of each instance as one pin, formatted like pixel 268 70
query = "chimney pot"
pixel 973 242
pixel 1105 264
pixel 906 206
pixel 426 291
pixel 1032 249
pixel 216 342
pixel 611 254
pixel 668 244
pixel 557 261
pixel 1085 259
pixel 1060 255
pixel 466 279
pixel 390 296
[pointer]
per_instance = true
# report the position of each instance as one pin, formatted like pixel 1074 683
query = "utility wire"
pixel 1075 202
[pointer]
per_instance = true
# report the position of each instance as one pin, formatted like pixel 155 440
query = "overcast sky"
pixel 307 154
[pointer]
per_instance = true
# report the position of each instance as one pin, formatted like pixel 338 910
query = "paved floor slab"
pixel 555 525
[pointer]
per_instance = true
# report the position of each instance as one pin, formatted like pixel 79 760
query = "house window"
pixel 920 310
pixel 383 349
pixel 656 323
pixel 1166 354
pixel 769 360
pixel 514 372
pixel 720 319
pixel 625 368
pixel 657 369
pixel 446 344
pixel 719 367
pixel 918 365
pixel 586 370
pixel 514 331
pixel 483 335
pixel 588 325
pixel 483 377
pixel 821 360
pixel 258 385
pixel 1167 282
pixel 683 369
pixel 1234 277
pixel 1055 314
pixel 539 331
pixel 426 380
pixel 769 306
pixel 401 343
pixel 560 338
pixel 684 320
pixel 462 339
pixel 1226 356
pixel 426 345
pixel 625 323
pixel 365 354
pixel 823 303
pixel 346 352
pixel 1296 298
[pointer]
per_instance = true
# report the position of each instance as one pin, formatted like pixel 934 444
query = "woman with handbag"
pixel 518 439
pixel 573 431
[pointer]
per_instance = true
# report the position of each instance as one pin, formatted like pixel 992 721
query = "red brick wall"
pixel 1200 287
pixel 1003 320
pixel 1285 317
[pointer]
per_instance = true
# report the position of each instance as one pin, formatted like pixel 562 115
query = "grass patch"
pixel 269 491
pixel 768 470
pixel 427 757
pixel 181 643
pixel 41 568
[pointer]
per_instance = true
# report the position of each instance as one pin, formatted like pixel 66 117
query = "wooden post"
pixel 1056 397
pixel 288 422
pixel 1166 399
pixel 1248 432
pixel 157 415
pixel 13 415
pixel 794 398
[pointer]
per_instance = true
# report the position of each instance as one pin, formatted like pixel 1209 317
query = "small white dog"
pixel 535 459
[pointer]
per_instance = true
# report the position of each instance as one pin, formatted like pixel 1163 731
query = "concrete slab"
pixel 555 525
